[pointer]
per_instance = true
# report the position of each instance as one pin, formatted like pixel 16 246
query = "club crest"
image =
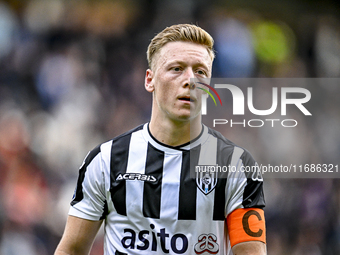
pixel 206 181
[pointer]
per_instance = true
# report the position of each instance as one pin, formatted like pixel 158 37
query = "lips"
pixel 186 98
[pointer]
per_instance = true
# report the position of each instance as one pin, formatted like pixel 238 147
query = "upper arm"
pixel 244 184
pixel 245 217
pixel 249 248
pixel 78 236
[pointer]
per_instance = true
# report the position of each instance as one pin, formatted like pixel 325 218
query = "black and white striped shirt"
pixel 154 202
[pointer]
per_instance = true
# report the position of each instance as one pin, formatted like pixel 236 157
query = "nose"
pixel 189 77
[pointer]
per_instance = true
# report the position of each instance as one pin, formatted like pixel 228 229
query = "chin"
pixel 187 117
pixel 184 115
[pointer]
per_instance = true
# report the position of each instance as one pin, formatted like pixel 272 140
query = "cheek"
pixel 165 90
pixel 163 95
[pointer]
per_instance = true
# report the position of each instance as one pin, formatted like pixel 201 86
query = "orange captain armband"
pixel 245 225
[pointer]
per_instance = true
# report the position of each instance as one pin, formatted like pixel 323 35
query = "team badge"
pixel 207 244
pixel 206 181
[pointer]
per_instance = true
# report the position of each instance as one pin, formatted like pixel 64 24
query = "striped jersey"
pixel 158 199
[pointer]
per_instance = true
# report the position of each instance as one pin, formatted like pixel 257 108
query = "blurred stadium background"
pixel 72 75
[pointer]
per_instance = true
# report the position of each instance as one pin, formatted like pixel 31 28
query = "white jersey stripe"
pixel 136 163
pixel 236 182
pixel 170 185
pixel 207 157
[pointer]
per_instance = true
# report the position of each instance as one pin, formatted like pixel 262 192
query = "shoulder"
pixel 227 145
pixel 128 133
pixel 101 156
pixel 220 137
pixel 120 141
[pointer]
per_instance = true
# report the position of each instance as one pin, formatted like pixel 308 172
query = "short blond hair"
pixel 180 32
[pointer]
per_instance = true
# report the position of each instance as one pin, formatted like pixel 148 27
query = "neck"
pixel 175 133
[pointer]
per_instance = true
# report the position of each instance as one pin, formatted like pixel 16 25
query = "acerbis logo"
pixel 136 176
pixel 207 243
pixel 147 240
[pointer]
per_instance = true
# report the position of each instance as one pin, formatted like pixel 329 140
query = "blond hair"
pixel 180 32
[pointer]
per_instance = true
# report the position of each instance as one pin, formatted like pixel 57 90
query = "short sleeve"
pixel 245 184
pixel 89 201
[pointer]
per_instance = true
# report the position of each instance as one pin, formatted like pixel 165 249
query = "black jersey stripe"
pixel 120 253
pixel 253 192
pixel 78 195
pixel 118 165
pixel 223 150
pixel 153 190
pixel 188 188
pixel 105 211
pixel 219 198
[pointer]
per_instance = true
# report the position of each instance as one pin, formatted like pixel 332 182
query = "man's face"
pixel 174 65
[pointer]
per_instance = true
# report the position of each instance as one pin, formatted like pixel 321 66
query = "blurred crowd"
pixel 72 76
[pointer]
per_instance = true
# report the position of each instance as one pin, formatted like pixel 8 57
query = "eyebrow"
pixel 199 64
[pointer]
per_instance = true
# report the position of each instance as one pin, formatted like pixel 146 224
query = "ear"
pixel 149 81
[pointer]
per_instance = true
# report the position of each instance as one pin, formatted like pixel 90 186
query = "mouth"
pixel 186 99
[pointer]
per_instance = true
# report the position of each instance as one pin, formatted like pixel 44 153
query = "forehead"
pixel 183 51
